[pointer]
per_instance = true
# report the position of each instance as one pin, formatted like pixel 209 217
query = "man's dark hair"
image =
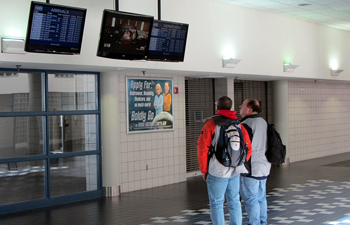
pixel 254 105
pixel 224 103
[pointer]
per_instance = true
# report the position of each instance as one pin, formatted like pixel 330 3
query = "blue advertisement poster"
pixel 149 104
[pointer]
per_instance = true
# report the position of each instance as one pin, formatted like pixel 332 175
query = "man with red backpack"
pixel 221 179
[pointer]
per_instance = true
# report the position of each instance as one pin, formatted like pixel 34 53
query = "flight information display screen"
pixel 55 29
pixel 168 41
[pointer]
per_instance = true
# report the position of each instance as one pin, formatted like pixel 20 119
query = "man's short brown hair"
pixel 224 103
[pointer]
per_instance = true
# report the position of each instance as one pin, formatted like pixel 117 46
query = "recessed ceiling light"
pixel 304 4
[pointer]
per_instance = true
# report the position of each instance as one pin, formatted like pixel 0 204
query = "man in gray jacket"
pixel 253 184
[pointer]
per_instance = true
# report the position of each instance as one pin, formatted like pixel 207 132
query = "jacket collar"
pixel 251 116
pixel 227 113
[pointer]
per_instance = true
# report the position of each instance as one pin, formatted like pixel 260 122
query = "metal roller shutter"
pixel 199 104
pixel 250 89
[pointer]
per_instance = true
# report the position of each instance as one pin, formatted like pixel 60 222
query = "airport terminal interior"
pixel 99 119
pixel 308 192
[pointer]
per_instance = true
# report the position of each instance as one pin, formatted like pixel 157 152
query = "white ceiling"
pixel 331 13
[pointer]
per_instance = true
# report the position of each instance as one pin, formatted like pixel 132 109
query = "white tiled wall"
pixel 155 158
pixel 319 119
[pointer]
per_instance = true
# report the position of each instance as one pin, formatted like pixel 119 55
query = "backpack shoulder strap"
pixel 247 141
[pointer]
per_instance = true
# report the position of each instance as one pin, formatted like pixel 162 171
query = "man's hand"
pixel 205 176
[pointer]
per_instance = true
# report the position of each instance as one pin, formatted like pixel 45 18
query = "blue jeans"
pixel 253 193
pixel 217 187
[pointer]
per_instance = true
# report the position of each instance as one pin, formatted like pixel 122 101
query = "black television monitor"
pixel 55 29
pixel 168 41
pixel 124 35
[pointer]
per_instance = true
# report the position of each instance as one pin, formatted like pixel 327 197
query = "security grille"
pixel 250 89
pixel 199 105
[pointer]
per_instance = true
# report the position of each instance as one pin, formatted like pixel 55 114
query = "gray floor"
pixel 308 192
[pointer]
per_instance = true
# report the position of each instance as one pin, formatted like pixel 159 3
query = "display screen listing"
pixel 56 25
pixel 55 29
pixel 168 41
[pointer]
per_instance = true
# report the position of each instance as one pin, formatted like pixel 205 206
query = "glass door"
pixel 49 138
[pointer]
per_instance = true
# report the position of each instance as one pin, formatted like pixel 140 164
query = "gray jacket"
pixel 257 129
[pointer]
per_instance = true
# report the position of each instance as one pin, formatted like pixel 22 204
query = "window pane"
pixel 21 136
pixel 73 133
pixel 21 181
pixel 20 92
pixel 73 175
pixel 72 92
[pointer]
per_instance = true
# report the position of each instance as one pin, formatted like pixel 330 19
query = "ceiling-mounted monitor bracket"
pixel 159 10
pixel 117 5
pixel 47 1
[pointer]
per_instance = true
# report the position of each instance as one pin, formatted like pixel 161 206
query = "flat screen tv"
pixel 124 35
pixel 168 41
pixel 55 29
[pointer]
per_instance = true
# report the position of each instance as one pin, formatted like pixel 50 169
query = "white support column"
pixel 110 134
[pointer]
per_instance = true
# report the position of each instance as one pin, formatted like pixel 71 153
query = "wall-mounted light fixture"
pixel 336 72
pixel 230 63
pixel 289 68
pixel 12 45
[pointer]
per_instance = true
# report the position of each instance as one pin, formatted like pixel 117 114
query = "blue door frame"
pixel 46 157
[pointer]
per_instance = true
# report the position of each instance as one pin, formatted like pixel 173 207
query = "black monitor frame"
pixel 163 54
pixel 128 41
pixel 40 45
